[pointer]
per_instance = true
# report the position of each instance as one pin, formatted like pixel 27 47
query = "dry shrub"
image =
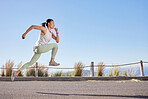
pixel 30 72
pixel 2 74
pixel 46 73
pixel 100 69
pixel 124 73
pixel 8 66
pixel 78 69
pixel 41 71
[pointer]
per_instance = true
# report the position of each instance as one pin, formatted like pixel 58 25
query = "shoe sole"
pixel 54 65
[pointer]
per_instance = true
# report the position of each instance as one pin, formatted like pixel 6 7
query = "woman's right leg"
pixel 34 58
pixel 46 48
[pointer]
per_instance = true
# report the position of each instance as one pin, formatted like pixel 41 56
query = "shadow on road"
pixel 126 96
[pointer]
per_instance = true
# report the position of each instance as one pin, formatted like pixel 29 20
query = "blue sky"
pixel 112 31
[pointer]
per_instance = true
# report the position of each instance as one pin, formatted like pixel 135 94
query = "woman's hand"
pixel 56 38
pixel 56 29
pixel 23 36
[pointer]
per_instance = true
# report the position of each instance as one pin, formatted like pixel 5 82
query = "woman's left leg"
pixel 34 58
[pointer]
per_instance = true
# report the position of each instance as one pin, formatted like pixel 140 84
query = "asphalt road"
pixel 73 89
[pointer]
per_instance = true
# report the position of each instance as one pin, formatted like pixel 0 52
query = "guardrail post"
pixel 92 69
pixel 141 68
pixel 36 70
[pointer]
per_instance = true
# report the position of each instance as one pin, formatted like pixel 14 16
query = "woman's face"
pixel 51 24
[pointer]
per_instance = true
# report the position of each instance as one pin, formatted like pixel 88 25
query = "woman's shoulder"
pixel 44 30
pixel 43 27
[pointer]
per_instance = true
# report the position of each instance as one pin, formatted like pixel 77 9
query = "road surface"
pixel 74 89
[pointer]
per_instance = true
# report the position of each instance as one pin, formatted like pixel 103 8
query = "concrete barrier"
pixel 143 78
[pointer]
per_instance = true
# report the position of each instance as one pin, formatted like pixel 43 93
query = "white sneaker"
pixel 53 63
pixel 13 75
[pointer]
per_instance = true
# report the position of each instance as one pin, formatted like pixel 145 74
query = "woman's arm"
pixel 43 30
pixel 56 38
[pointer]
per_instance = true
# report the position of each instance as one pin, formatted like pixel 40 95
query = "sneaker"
pixel 53 63
pixel 13 75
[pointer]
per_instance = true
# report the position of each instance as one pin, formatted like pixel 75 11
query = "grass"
pixel 115 71
pixel 100 69
pixel 78 69
pixel 58 73
pixel 68 74
pixel 132 71
pixel 111 72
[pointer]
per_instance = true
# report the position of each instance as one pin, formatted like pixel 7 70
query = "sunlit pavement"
pixel 90 89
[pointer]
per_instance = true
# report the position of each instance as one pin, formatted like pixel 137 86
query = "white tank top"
pixel 44 39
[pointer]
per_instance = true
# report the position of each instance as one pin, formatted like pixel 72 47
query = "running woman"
pixel 41 45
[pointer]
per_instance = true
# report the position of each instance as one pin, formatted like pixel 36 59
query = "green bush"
pixel 58 73
pixel 70 74
pixel 116 71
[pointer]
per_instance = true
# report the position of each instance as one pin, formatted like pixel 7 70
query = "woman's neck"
pixel 49 28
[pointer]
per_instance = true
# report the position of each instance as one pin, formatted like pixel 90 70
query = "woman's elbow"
pixel 32 26
pixel 57 41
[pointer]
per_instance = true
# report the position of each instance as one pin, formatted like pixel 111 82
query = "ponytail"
pixel 43 24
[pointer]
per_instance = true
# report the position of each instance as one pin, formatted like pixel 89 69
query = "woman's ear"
pixel 48 24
